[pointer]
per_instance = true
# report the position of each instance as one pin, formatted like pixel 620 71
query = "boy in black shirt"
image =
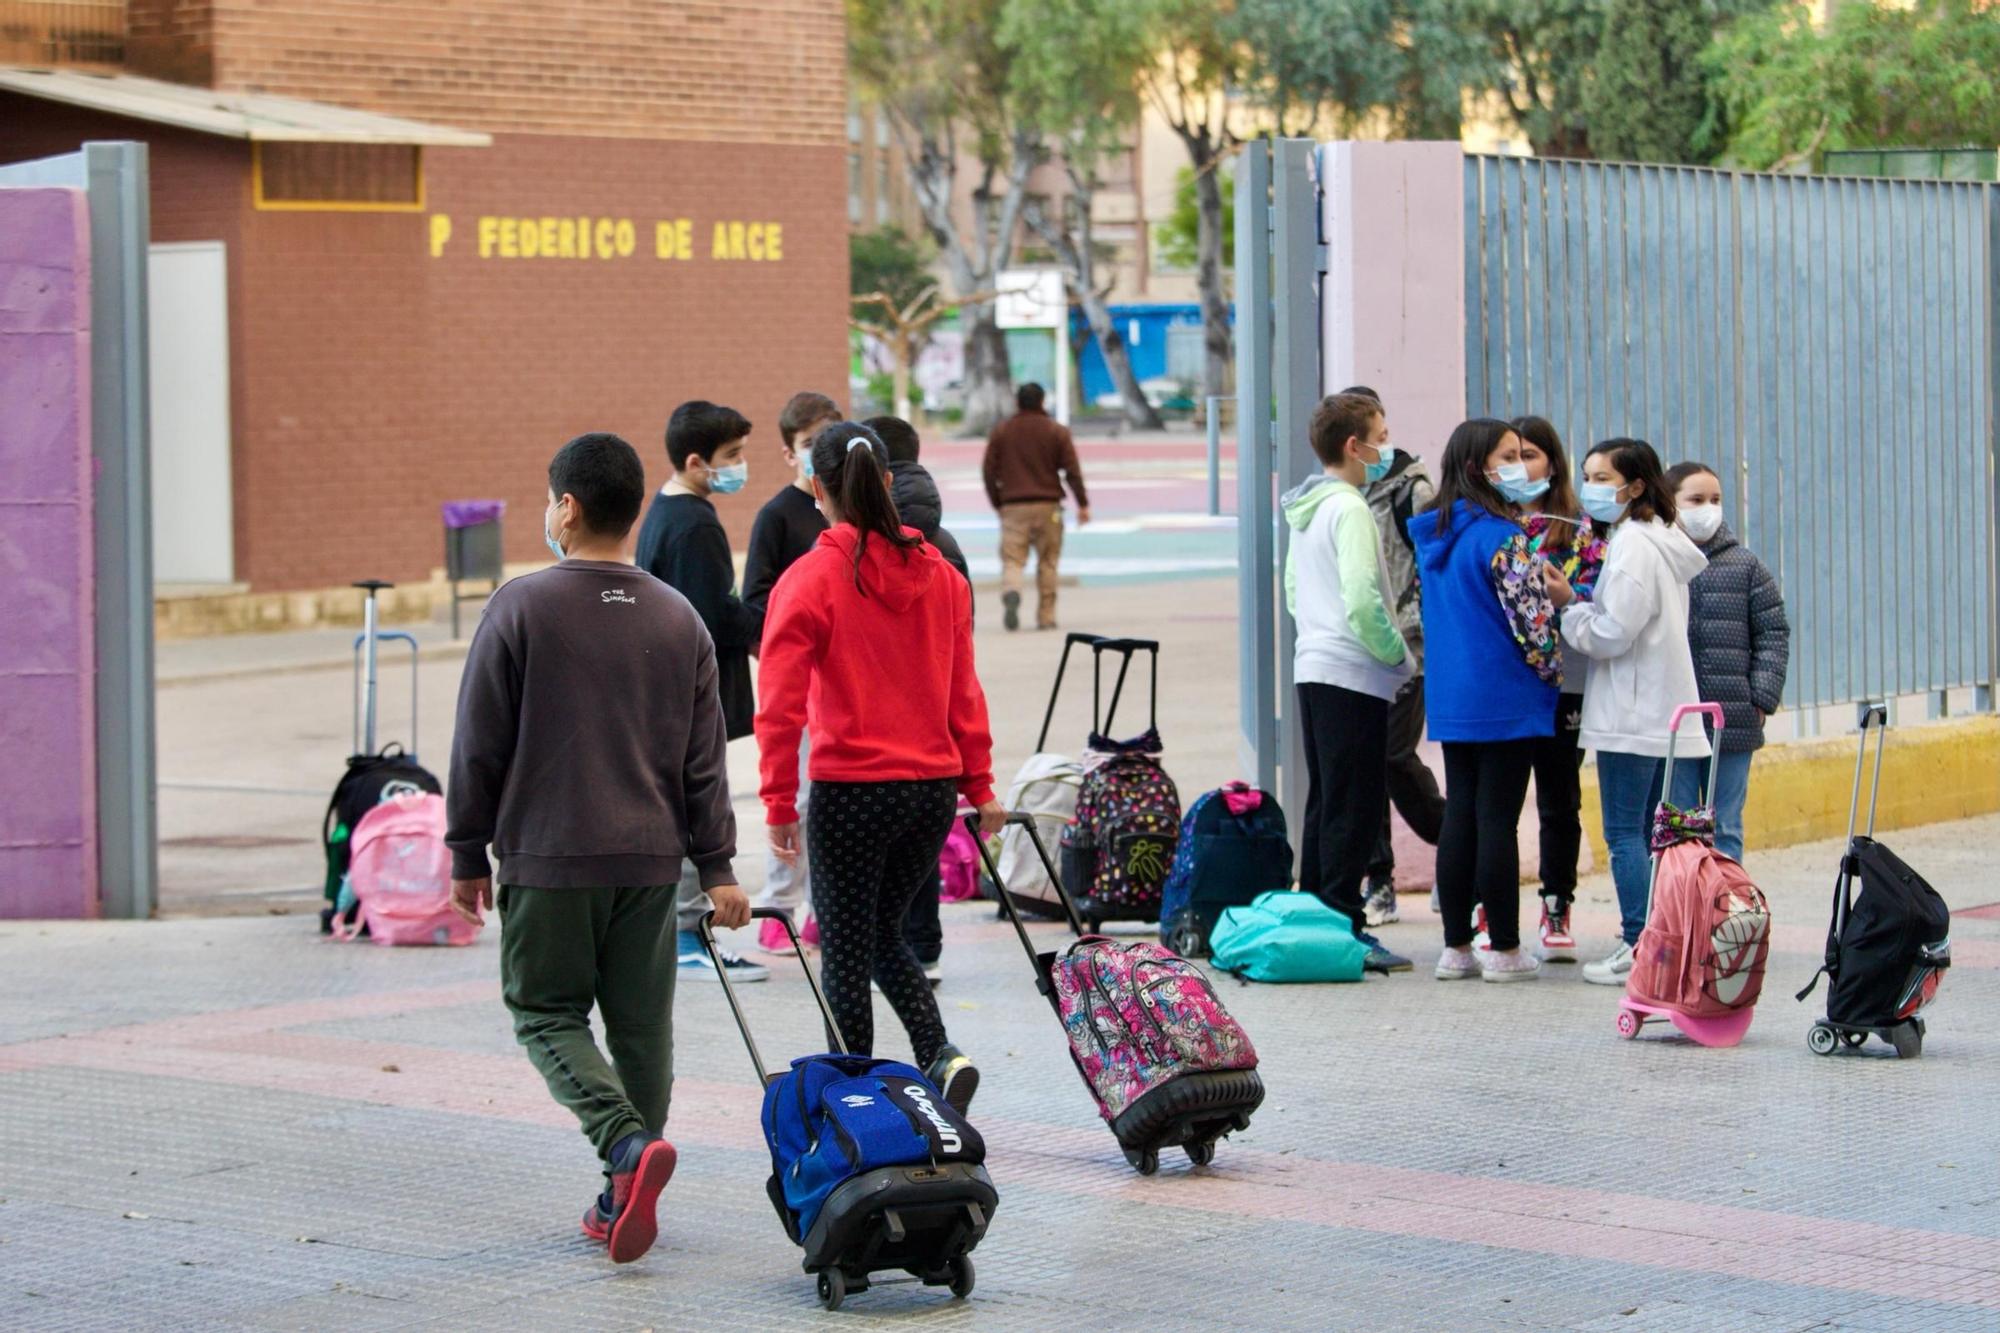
pixel 683 545
pixel 787 527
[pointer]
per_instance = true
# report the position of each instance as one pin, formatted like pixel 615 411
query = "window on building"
pixel 386 177
pixel 885 176
pixel 856 209
pixel 62 32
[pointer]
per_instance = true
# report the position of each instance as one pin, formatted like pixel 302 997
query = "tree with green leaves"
pixel 938 70
pixel 895 301
pixel 1074 63
pixel 1649 94
pixel 1540 58
pixel 1876 76
pixel 1177 237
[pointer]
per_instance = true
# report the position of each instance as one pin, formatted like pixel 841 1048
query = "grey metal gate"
pixel 1829 344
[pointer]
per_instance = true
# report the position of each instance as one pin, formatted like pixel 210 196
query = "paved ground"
pixel 224 1123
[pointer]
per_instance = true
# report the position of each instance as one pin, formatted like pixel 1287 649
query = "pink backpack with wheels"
pixel 958 865
pixel 400 875
pixel 1699 963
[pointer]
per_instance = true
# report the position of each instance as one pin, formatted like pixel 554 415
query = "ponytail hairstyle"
pixel 1462 475
pixel 1561 501
pixel 1635 461
pixel 851 464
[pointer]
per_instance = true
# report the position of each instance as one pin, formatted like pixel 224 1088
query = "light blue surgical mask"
pixel 806 464
pixel 1375 471
pixel 729 480
pixel 1511 480
pixel 555 547
pixel 1600 501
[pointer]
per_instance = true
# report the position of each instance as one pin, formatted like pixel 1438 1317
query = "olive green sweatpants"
pixel 564 950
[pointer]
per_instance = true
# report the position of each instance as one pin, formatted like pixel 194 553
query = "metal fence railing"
pixel 1831 345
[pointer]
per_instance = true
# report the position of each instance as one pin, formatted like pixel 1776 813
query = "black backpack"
pixel 1889 940
pixel 369 780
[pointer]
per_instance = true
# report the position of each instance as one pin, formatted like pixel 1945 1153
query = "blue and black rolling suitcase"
pixel 871 1169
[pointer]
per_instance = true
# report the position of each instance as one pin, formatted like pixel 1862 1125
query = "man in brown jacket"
pixel 1027 457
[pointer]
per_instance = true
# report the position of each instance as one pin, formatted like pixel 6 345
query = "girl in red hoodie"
pixel 868 640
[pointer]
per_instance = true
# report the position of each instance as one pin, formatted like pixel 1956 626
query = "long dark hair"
pixel 1561 501
pixel 1462 475
pixel 1635 461
pixel 852 464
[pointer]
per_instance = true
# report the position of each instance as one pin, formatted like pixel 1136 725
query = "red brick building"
pixel 660 214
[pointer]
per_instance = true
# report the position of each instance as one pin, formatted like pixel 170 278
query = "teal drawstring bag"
pixel 1287 936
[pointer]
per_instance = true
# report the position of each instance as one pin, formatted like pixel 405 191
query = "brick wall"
pixel 766 71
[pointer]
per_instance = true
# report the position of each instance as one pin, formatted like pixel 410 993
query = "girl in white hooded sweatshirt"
pixel 1634 631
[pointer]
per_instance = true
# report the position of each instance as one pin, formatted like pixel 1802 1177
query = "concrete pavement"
pixel 226 1123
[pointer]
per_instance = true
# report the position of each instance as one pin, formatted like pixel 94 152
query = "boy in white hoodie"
pixel 1634 631
pixel 1350 660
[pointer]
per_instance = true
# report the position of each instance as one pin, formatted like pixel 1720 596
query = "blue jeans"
pixel 1732 785
pixel 1628 791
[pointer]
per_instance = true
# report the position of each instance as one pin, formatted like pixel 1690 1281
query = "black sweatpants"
pixel 1347 792
pixel 874 845
pixel 1479 859
pixel 923 927
pixel 1413 788
pixel 1558 765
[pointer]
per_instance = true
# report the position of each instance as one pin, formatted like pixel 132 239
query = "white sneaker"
pixel 934 972
pixel 1457 965
pixel 1610 971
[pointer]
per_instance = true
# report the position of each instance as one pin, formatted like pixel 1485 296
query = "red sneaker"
pixel 596 1226
pixel 635 1198
pixel 1558 945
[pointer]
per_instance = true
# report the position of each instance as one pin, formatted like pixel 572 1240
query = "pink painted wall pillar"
pixel 1393 306
pixel 48 782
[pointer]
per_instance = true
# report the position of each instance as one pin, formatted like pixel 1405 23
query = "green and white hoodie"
pixel 1334 581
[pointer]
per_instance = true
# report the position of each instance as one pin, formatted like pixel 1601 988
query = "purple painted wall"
pixel 48 664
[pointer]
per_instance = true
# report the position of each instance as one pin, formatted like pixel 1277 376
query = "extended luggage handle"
pixel 1099 644
pixel 364 690
pixel 1026 822
pixel 1713 712
pixel 1877 715
pixel 707 932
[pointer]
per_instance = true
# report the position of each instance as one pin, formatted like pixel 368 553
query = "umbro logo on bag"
pixel 857 1100
pixel 920 1097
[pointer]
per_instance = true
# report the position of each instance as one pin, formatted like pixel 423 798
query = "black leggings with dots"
pixel 873 846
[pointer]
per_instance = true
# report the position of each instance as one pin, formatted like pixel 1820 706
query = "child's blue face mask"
pixel 729 480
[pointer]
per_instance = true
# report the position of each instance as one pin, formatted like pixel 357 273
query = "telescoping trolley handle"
pixel 707 929
pixel 1026 823
pixel 366 662
pixel 1713 712
pixel 1878 716
pixel 1099 645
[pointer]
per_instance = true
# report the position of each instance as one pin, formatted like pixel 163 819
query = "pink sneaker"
pixel 811 933
pixel 772 937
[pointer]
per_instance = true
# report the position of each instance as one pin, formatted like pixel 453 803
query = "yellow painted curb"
pixel 1799 791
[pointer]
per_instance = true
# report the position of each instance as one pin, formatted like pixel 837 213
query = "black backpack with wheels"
pixel 1879 959
pixel 370 779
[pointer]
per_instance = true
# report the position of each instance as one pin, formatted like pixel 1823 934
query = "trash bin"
pixel 471 549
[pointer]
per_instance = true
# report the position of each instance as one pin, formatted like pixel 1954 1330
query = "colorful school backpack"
pixel 958 865
pixel 399 876
pixel 1288 937
pixel 1232 847
pixel 1138 1017
pixel 832 1117
pixel 1119 846
pixel 1708 933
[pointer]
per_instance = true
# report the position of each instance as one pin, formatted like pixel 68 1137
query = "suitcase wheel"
pixel 832 1288
pixel 961 1276
pixel 1908 1039
pixel 1201 1154
pixel 1822 1040
pixel 1144 1160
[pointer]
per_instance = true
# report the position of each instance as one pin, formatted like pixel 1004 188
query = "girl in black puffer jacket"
pixel 1741 643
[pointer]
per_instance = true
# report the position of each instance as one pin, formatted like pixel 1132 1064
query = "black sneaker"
pixel 1010 610
pixel 1380 958
pixel 954 1076
pixel 1380 902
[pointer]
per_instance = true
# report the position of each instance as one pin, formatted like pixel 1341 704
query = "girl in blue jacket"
pixel 1494 670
